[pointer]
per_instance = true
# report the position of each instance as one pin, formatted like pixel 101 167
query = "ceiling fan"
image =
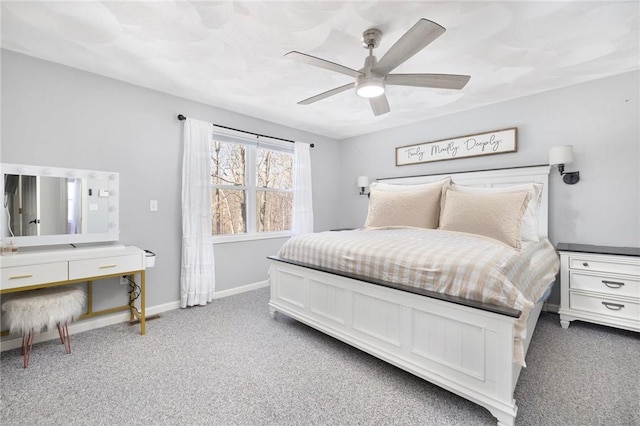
pixel 371 80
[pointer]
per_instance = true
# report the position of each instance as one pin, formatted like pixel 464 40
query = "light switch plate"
pixel 153 205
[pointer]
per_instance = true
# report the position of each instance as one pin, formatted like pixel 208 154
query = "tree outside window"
pixel 252 188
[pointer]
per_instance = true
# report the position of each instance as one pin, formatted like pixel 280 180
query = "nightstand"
pixel 600 284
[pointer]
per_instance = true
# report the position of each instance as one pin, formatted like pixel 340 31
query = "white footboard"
pixel 465 350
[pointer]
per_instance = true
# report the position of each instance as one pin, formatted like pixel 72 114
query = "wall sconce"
pixel 363 182
pixel 559 156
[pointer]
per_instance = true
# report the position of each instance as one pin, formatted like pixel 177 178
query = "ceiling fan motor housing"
pixel 370 84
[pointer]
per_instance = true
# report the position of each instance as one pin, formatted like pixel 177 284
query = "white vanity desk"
pixel 31 270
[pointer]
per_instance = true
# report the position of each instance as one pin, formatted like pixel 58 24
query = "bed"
pixel 470 342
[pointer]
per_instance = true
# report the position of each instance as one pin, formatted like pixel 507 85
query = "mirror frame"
pixel 113 232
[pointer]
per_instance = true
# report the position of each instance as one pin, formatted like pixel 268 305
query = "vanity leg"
pixel 89 298
pixel 142 302
pixel 132 298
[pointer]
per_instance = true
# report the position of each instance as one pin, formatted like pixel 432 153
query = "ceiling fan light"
pixel 370 91
pixel 370 88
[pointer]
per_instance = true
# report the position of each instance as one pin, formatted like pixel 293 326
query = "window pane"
pixel 274 169
pixel 227 163
pixel 229 211
pixel 273 211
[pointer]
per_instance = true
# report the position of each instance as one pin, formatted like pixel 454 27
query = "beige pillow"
pixel 418 208
pixel 530 221
pixel 498 216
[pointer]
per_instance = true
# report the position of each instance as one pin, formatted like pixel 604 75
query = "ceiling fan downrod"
pixel 369 84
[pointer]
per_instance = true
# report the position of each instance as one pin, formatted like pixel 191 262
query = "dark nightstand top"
pixel 586 248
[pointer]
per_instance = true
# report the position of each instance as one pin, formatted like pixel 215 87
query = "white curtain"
pixel 302 221
pixel 197 283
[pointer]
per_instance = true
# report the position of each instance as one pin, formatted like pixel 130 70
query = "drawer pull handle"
pixel 612 284
pixel 585 263
pixel 613 306
pixel 17 277
pixel 113 265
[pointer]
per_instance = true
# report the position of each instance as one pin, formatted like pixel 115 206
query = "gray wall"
pixel 58 116
pixel 600 119
pixel 62 117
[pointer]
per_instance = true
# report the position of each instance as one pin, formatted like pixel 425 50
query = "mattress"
pixel 453 263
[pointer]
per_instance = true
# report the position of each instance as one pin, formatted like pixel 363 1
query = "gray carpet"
pixel 229 363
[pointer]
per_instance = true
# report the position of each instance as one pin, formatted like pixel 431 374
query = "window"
pixel 252 186
pixel 274 190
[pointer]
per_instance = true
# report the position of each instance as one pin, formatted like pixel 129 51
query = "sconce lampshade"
pixel 363 181
pixel 561 155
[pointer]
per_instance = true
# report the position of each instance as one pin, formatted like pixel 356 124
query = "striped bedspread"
pixel 458 264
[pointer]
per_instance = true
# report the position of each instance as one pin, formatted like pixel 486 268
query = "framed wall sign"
pixel 494 142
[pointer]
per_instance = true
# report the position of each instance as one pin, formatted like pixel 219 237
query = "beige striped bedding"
pixel 454 263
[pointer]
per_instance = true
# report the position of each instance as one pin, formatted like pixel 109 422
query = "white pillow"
pixel 393 187
pixel 405 205
pixel 531 218
pixel 498 216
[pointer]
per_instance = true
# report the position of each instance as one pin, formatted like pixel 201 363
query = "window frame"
pixel 250 185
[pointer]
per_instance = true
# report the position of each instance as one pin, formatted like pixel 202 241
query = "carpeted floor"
pixel 229 363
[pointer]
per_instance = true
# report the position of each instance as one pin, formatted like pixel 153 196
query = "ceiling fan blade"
pixel 437 81
pixel 317 62
pixel 379 105
pixel 413 41
pixel 326 94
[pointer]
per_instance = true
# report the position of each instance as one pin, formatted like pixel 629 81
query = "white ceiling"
pixel 229 54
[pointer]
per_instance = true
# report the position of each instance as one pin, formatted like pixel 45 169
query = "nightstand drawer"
pixel 23 276
pixel 79 269
pixel 612 286
pixel 604 306
pixel 588 264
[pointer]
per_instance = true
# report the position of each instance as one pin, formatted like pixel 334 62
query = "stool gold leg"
pixel 67 337
pixel 27 344
pixel 60 333
pixel 25 357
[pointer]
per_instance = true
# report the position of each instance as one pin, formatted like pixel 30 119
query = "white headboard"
pixel 495 178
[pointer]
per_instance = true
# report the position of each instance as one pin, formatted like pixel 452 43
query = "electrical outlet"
pixel 124 280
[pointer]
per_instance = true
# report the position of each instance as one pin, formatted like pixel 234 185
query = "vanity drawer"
pixel 79 269
pixel 590 264
pixel 604 306
pixel 613 286
pixel 23 276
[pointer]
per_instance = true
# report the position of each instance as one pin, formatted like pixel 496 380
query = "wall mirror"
pixel 48 205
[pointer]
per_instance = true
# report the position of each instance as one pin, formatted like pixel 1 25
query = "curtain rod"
pixel 182 118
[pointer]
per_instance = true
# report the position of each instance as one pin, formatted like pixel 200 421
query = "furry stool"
pixel 33 311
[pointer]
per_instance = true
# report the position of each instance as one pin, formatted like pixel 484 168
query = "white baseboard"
pixel 550 307
pixel 103 321
pixel 241 289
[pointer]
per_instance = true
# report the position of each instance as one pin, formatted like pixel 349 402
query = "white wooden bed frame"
pixel 464 349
